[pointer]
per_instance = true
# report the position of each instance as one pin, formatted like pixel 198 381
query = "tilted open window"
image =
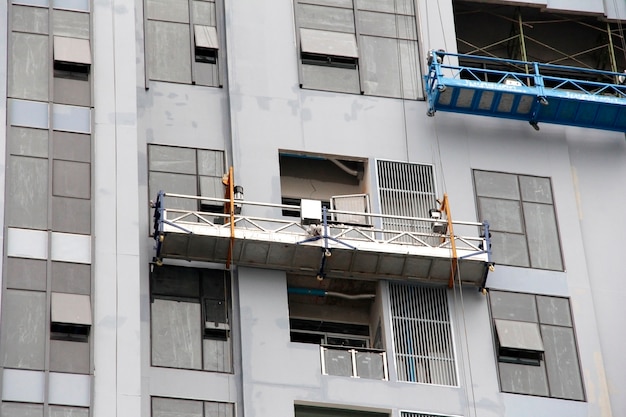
pixel 70 317
pixel 72 57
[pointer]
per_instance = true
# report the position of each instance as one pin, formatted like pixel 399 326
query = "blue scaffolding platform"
pixel 529 91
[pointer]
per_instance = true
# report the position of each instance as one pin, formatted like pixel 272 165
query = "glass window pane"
pixel 175 281
pixel 71 118
pixel 169 407
pixel 217 355
pixel 212 409
pixel 535 189
pixel 387 6
pixel 509 249
pixel 169 10
pixel 29 67
pixel 495 184
pixel 80 5
pixel 409 66
pixel 172 159
pixel 23 329
pixel 205 37
pixel 519 335
pixel 174 183
pixel 502 215
pixel 72 50
pixel 211 187
pixel 29 19
pixel 513 306
pixel 211 163
pixel 72 24
pixel 204 13
pixel 328 43
pixel 27 184
pixel 347 4
pixel 562 362
pixel 70 308
pixel 169 51
pixel 387 25
pixel 176 334
pixel 341 80
pixel 523 379
pixel 543 237
pixel 554 310
pixel 381 74
pixel 325 18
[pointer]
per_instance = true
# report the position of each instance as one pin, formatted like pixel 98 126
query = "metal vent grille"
pixel 424 349
pixel 406 190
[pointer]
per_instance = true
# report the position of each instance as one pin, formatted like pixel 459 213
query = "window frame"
pixel 534 363
pixel 207 56
pixel 523 218
pixel 356 63
pixel 218 333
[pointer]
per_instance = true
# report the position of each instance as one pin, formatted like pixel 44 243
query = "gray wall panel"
pixel 30 66
pixel 28 188
pixel 28 142
pixel 23 329
pixel 29 19
pixel 26 274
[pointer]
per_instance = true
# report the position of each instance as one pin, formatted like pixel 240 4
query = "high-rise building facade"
pixel 242 208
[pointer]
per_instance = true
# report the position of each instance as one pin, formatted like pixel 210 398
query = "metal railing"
pixel 184 220
pixel 542 78
pixel 354 362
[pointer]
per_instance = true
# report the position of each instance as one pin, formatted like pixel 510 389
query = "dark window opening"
pixel 69 332
pixel 329 60
pixel 71 70
pixel 520 356
pixel 206 55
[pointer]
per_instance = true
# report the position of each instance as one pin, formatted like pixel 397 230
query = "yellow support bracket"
pixel 229 208
pixel 445 208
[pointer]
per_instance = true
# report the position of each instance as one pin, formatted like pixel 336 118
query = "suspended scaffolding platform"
pixel 329 249
pixel 529 91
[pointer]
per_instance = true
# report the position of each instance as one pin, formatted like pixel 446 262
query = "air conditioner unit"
pixel 357 203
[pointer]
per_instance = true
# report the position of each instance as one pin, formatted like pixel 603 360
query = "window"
pixel 422 333
pixel 369 48
pixel 520 212
pixel 190 318
pixel 309 411
pixel 167 407
pixel 71 55
pixel 188 171
pixel 321 178
pixel 536 345
pixel 537 34
pixel 70 317
pixel 172 26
